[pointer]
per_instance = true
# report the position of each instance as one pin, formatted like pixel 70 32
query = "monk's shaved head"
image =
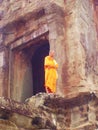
pixel 51 53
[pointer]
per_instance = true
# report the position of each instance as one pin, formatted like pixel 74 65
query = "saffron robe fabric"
pixel 51 75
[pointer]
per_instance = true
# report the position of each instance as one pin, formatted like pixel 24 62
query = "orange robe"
pixel 51 75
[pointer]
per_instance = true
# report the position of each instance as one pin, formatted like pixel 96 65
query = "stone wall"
pixel 12 10
pixel 48 111
pixel 69 28
pixel 24 30
pixel 81 46
pixel 96 15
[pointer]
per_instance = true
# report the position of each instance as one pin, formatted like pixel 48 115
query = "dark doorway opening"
pixel 28 70
pixel 38 67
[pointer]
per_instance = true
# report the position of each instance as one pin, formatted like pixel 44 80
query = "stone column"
pixel 75 53
pixel 4 64
pixel 81 47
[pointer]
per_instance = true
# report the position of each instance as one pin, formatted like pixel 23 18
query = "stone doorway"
pixel 38 67
pixel 28 70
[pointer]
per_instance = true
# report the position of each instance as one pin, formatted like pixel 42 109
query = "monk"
pixel 51 75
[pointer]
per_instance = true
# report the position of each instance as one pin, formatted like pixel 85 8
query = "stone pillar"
pixel 75 53
pixel 1 72
pixel 81 47
pixel 4 64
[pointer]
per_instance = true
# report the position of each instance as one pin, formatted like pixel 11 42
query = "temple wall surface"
pixel 29 29
pixel 70 29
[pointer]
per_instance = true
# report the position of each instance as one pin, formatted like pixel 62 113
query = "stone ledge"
pixel 55 101
pixel 43 110
pixel 48 100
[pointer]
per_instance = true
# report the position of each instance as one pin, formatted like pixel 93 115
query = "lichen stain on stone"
pixel 7 125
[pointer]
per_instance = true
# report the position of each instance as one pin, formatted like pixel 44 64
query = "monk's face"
pixel 51 53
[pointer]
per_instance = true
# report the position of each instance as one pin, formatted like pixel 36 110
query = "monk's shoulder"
pixel 47 57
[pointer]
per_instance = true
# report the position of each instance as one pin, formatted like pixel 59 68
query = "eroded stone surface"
pixel 71 28
pixel 71 32
pixel 49 111
pixel 7 125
